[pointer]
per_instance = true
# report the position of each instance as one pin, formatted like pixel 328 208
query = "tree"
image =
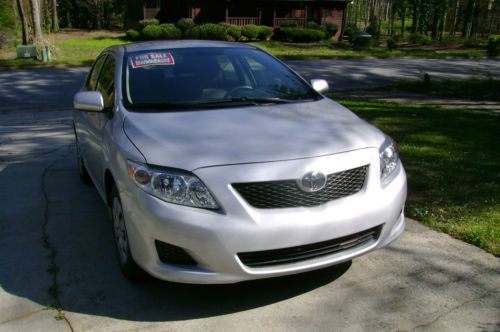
pixel 24 22
pixel 37 26
pixel 55 18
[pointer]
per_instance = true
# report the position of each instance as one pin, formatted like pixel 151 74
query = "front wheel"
pixel 128 266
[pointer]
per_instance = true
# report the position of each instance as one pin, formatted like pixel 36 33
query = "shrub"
pixel 331 29
pixel 472 43
pixel 233 31
pixel 492 48
pixel 265 32
pixel 313 25
pixel 151 32
pixel 184 24
pixel 144 23
pixel 251 31
pixel 169 31
pixel 391 43
pixel 132 34
pixel 418 38
pixel 300 35
pixel 207 31
pixel 289 24
pixel 374 28
pixel 351 32
pixel 362 42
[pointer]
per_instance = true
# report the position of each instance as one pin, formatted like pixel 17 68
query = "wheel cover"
pixel 121 239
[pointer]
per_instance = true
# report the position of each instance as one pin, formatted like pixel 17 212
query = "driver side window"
pixel 106 83
pixel 90 85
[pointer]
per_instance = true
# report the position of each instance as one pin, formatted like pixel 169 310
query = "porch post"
pixel 305 16
pixel 260 16
pixel 274 18
pixel 227 13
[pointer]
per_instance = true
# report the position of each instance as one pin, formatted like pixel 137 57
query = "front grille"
pixel 286 193
pixel 309 251
pixel 170 254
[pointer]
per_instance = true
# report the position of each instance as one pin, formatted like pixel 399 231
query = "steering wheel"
pixel 235 90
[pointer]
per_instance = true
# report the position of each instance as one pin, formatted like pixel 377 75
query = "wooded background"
pixel 434 18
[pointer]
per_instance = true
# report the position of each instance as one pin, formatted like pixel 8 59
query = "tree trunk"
pixel 414 16
pixel 24 22
pixel 37 27
pixel 455 16
pixel 55 18
pixel 403 16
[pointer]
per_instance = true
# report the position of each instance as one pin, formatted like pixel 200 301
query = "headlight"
pixel 389 160
pixel 171 185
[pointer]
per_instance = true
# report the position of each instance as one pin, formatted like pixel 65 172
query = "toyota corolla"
pixel 220 164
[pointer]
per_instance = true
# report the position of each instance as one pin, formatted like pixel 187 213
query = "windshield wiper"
pixel 157 106
pixel 242 100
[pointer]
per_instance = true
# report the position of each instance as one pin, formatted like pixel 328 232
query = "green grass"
pixel 76 52
pixel 83 51
pixel 330 50
pixel 473 88
pixel 453 164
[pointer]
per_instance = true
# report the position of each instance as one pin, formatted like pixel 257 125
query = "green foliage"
pixel 351 32
pixel 331 29
pixel 132 34
pixel 374 28
pixel 472 43
pixel 151 32
pixel 184 24
pixel 250 31
pixel 7 21
pixel 170 31
pixel 362 42
pixel 419 39
pixel 300 35
pixel 233 31
pixel 493 45
pixel 208 31
pixel 289 24
pixel 145 23
pixel 265 32
pixel 391 43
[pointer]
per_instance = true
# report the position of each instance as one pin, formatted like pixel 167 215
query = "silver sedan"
pixel 220 164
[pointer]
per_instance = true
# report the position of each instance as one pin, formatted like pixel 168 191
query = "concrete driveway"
pixel 56 249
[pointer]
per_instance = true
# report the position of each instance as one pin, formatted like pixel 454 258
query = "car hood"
pixel 200 138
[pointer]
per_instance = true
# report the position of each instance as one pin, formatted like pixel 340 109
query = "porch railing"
pixel 300 21
pixel 243 20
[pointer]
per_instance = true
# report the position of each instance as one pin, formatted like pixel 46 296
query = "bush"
pixel 300 35
pixel 391 43
pixel 492 48
pixel 151 32
pixel 313 25
pixel 265 32
pixel 362 42
pixel 374 28
pixel 331 29
pixel 184 24
pixel 351 32
pixel 209 31
pixel 418 38
pixel 144 23
pixel 251 31
pixel 288 24
pixel 132 34
pixel 233 31
pixel 472 43
pixel 169 31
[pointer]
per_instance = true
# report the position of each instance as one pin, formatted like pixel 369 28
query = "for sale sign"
pixel 152 59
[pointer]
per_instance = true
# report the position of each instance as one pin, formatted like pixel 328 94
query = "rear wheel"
pixel 128 266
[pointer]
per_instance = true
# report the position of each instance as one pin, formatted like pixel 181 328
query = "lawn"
pixel 453 164
pixel 342 50
pixel 473 88
pixel 81 48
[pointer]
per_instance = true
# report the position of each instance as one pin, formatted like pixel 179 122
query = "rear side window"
pixel 106 83
pixel 94 74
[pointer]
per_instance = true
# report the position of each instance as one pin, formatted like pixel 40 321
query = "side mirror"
pixel 89 101
pixel 320 86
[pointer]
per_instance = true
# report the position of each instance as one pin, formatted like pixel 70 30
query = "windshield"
pixel 209 76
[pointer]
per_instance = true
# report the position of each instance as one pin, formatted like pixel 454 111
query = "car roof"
pixel 164 44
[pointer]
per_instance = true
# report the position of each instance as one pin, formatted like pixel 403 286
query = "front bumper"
pixel 214 238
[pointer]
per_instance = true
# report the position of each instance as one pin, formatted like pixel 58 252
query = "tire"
pixel 128 266
pixel 82 170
